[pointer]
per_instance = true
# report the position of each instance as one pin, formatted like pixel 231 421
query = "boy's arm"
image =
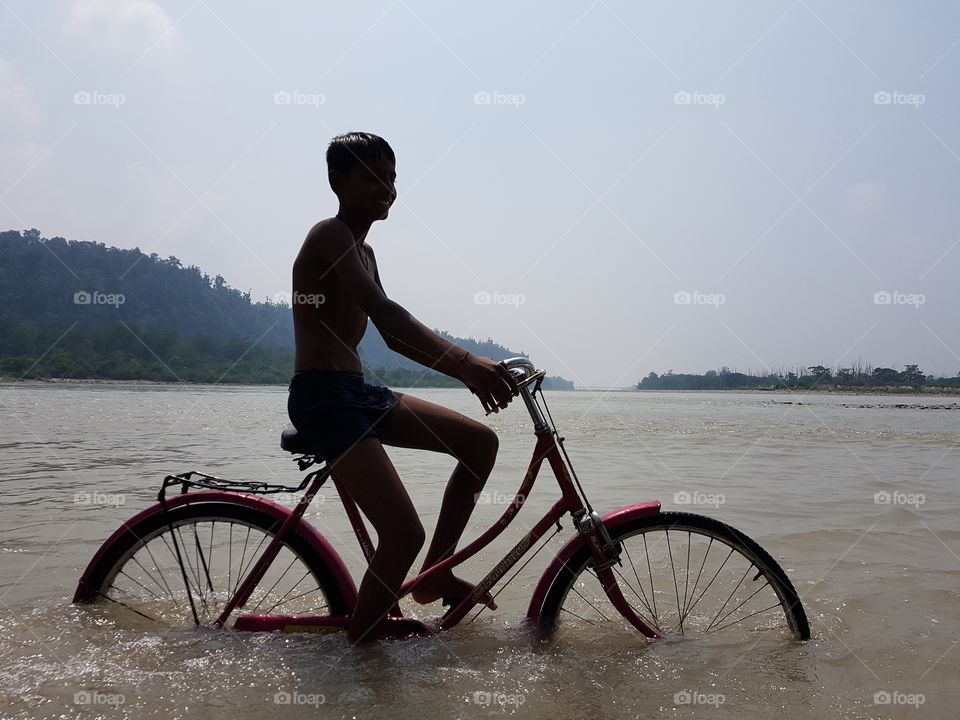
pixel 491 381
pixel 398 345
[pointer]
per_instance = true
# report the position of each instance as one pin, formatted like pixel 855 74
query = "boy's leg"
pixel 368 475
pixel 422 425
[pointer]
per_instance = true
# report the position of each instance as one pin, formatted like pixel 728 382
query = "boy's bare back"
pixel 328 323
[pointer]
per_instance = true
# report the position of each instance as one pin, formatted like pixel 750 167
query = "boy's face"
pixel 368 189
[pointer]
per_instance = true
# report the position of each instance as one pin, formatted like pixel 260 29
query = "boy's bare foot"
pixel 394 628
pixel 447 585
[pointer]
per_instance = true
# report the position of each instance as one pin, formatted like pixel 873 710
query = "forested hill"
pixel 83 310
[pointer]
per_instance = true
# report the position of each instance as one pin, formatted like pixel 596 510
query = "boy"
pixel 348 421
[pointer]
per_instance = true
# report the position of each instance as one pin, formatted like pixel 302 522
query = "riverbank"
pixel 933 391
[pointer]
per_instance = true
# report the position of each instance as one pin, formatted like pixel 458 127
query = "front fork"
pixel 606 554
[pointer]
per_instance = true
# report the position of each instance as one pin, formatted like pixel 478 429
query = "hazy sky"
pixel 636 186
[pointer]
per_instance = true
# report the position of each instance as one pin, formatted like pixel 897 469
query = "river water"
pixel 855 495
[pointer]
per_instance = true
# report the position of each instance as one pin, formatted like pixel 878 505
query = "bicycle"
pixel 166 564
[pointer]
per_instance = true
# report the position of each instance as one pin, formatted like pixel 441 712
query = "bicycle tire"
pixel 101 576
pixel 794 616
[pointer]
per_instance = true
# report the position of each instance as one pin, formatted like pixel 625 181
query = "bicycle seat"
pixel 293 442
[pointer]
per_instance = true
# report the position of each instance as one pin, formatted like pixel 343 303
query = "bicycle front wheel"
pixel 218 544
pixel 686 575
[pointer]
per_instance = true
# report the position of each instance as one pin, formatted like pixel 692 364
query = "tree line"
pixel 814 377
pixel 76 309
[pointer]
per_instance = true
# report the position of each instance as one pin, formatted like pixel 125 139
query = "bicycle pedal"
pixel 450 603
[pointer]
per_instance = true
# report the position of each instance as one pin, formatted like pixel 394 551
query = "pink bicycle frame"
pixel 592 533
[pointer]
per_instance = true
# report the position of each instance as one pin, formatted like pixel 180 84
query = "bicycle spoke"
pixel 253 555
pixel 595 608
pixel 185 555
pixel 753 595
pixel 686 610
pixel 686 582
pixel 653 592
pixel 202 560
pixel 673 570
pixel 715 575
pixel 230 559
pixel 642 600
pixel 146 546
pixel 173 554
pixel 753 614
pixel 141 614
pixel 653 614
pixel 213 527
pixel 267 593
pixel 141 585
pixel 295 597
pixel 242 558
pixel 728 598
pixel 579 617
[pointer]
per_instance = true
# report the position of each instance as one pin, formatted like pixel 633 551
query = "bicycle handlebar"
pixel 521 364
pixel 527 373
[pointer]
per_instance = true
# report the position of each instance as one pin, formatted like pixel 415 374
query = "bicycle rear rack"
pixel 204 481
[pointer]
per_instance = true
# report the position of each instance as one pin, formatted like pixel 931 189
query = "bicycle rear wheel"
pixel 686 575
pixel 218 543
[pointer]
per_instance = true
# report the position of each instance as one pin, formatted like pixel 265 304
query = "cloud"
pixel 125 28
pixel 18 107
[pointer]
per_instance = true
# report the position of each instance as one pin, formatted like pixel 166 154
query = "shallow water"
pixel 855 496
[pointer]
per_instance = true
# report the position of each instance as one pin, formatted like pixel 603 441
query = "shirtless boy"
pixel 348 421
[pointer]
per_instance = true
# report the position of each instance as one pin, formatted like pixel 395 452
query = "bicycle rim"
pixel 687 576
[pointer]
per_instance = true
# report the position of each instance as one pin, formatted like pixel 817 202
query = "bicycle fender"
pixel 318 542
pixel 578 541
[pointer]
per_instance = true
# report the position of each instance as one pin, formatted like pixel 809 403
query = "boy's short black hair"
pixel 347 151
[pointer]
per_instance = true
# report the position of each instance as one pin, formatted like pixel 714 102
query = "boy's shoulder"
pixel 325 235
pixel 332 227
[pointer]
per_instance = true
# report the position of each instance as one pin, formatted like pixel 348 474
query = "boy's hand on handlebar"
pixel 490 381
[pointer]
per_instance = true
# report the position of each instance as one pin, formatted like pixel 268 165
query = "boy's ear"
pixel 334 180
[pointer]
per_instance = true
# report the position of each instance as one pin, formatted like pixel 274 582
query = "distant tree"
pixel 885 376
pixel 913 376
pixel 820 373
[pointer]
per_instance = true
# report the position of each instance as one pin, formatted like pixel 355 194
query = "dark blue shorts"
pixel 335 409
